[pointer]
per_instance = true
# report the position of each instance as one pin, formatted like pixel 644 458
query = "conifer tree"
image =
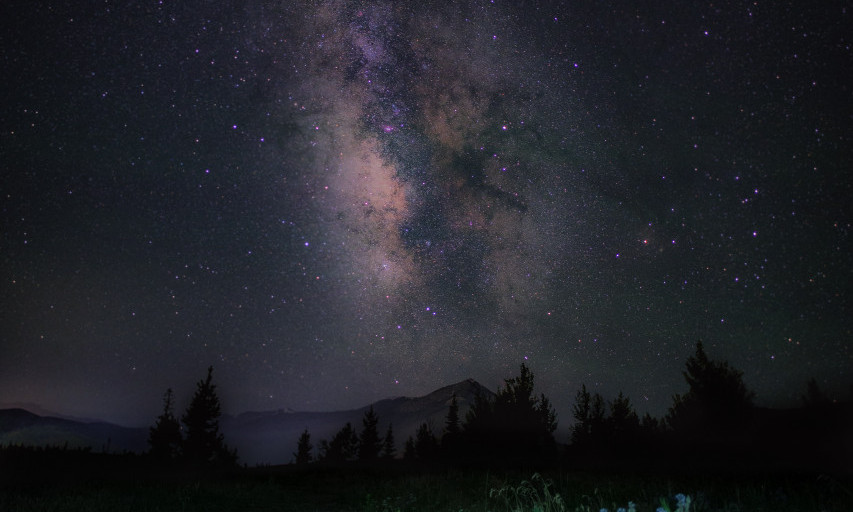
pixel 650 424
pixel 452 439
pixel 389 449
pixel 589 413
pixel 303 448
pixel 451 424
pixel 651 435
pixel 814 397
pixel 369 443
pixel 480 416
pixel 717 403
pixel 547 416
pixel 204 444
pixel 527 421
pixel 623 425
pixel 597 420
pixel 409 450
pixel 426 445
pixel 582 410
pixel 165 436
pixel 515 425
pixel 343 447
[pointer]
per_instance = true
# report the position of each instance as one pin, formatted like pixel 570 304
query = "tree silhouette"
pixel 343 446
pixel 589 431
pixel 622 427
pixel 204 444
pixel 451 438
pixel 613 433
pixel 369 442
pixel 651 437
pixel 527 416
pixel 388 447
pixel 451 423
pixel 623 422
pixel 717 404
pixel 650 424
pixel 581 430
pixel 516 425
pixel 814 397
pixel 303 448
pixel 409 449
pixel 597 419
pixel 426 445
pixel 480 416
pixel 547 419
pixel 165 436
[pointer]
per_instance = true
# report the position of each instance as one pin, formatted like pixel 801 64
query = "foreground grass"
pixel 394 490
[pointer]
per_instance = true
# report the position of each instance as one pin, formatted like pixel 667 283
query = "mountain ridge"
pixel 268 438
pixel 260 437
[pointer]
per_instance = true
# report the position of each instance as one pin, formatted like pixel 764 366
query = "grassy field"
pixel 399 490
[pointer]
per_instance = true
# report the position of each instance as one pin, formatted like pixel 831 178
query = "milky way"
pixel 334 202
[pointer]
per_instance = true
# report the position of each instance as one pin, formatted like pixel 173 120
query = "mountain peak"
pixel 465 391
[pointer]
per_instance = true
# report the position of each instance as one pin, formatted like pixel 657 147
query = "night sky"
pixel 334 202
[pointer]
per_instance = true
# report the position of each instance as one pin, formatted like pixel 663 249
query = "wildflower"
pixel 682 504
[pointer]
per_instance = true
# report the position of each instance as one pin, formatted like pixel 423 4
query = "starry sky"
pixel 338 201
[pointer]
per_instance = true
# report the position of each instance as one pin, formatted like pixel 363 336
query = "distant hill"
pixel 267 437
pixel 41 411
pixel 21 427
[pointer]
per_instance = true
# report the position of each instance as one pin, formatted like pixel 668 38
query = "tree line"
pixel 195 440
pixel 515 419
pixel 715 418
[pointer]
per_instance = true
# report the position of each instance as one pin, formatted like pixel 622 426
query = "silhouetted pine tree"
pixel 204 444
pixel 717 405
pixel 409 449
pixel 581 431
pixel 527 421
pixel 597 419
pixel 452 437
pixel 369 443
pixel 547 418
pixel 623 425
pixel 623 419
pixel 451 423
pixel 426 445
pixel 343 446
pixel 165 436
pixel 651 436
pixel 650 424
pixel 480 416
pixel 389 450
pixel 814 397
pixel 515 426
pixel 303 448
pixel 588 434
pixel 478 438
